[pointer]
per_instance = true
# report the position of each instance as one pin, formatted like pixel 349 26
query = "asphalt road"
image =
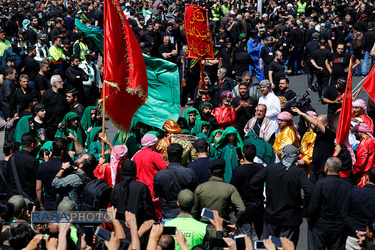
pixel 299 85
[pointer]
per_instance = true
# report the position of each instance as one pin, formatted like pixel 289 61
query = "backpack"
pixel 96 194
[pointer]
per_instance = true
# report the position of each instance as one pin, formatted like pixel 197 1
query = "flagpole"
pixel 356 95
pixel 103 118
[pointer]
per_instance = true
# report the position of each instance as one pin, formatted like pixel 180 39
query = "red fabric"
pixel 198 34
pixel 123 66
pixel 225 116
pixel 365 156
pixel 369 84
pixel 148 164
pixel 346 110
pixel 366 119
pixel 103 172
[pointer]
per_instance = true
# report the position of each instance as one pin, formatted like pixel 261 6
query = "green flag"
pixel 163 100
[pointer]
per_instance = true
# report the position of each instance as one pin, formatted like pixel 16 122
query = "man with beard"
pixel 333 96
pixel 33 30
pixel 270 100
pixel 253 90
pixel 148 37
pixel 56 105
pixel 338 64
pixel 261 125
pixel 48 171
pixel 266 56
pixel 276 71
pixel 206 115
pixel 285 94
pixel 225 114
pixel 18 95
pixel 287 135
pixel 41 82
pixel 75 77
pixel 244 106
pixel 359 111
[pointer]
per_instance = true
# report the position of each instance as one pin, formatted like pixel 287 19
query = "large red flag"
pixel 198 34
pixel 369 84
pixel 125 76
pixel 346 110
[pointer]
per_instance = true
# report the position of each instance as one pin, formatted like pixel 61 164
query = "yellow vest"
pixel 301 8
pixel 82 48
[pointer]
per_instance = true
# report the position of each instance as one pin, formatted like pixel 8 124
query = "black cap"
pixel 38 107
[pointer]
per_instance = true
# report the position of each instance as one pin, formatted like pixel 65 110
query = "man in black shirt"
pixel 31 67
pixel 75 77
pixel 26 166
pixel 170 181
pixel 357 209
pixel 324 144
pixel 41 83
pixel 242 175
pixel 287 47
pixel 276 71
pixel 298 38
pixel 167 51
pixel 18 95
pixel 244 106
pixel 56 105
pixel 367 44
pixel 72 100
pixel 284 183
pixel 333 96
pixel 285 94
pixel 311 47
pixel 266 56
pixel 326 226
pixel 318 62
pixel 338 64
pixel 47 172
pixel 7 89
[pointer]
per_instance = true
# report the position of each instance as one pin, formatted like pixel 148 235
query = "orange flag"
pixel 125 76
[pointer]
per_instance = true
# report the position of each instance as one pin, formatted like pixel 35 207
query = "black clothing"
pixel 165 49
pixel 368 40
pixel 311 47
pixel 283 189
pixel 46 173
pixel 278 71
pixel 285 97
pixel 297 37
pixel 79 109
pixel 339 64
pixel 72 81
pixel 166 187
pixel 138 200
pixel 323 149
pixel 358 208
pixel 227 60
pixel 54 33
pixel 332 93
pixel 201 168
pixel 243 114
pixel 40 83
pixel 148 39
pixel 241 177
pixel 326 200
pixel 287 42
pixel 26 166
pixel 267 55
pixel 56 108
pixel 320 56
pixel 16 101
pixel 31 67
pixel 242 60
pixel 3 186
pixel 7 89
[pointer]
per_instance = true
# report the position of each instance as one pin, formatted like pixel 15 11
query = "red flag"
pixel 346 110
pixel 198 34
pixel 125 76
pixel 369 84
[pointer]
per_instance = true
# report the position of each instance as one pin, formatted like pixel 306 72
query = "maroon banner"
pixel 125 76
pixel 198 34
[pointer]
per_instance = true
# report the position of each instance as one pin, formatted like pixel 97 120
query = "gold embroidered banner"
pixel 198 34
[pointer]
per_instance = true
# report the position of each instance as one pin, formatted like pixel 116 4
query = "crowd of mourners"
pixel 235 150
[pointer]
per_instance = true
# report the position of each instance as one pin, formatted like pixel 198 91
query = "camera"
pixel 42 152
pixel 302 103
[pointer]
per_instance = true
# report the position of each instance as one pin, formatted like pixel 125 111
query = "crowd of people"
pixel 235 150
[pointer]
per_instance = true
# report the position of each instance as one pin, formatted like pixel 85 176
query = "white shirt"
pixel 273 106
pixel 90 71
